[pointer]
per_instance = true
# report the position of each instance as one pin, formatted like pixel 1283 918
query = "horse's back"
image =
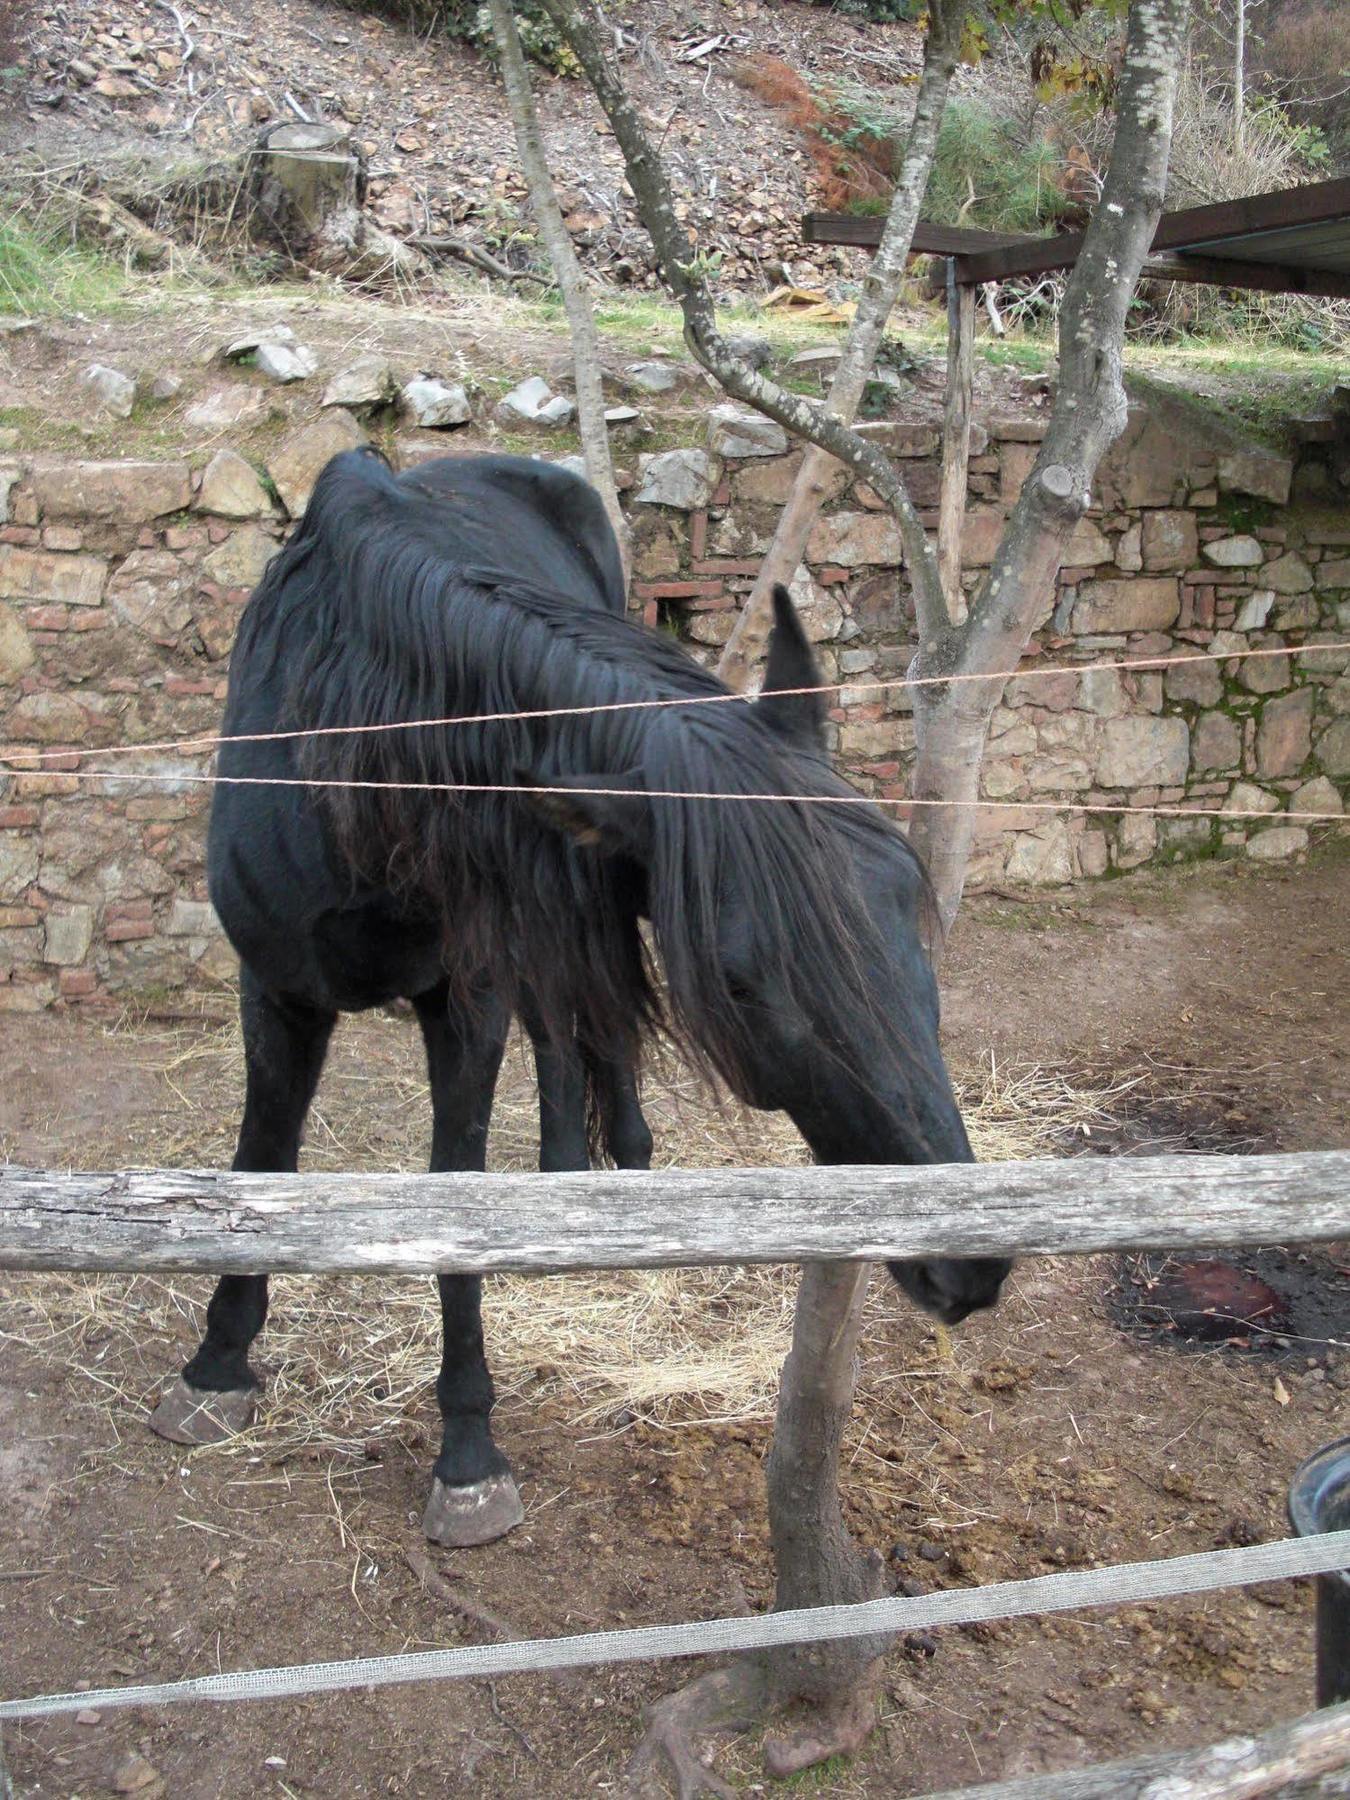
pixel 286 897
pixel 526 520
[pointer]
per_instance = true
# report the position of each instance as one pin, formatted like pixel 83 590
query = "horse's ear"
pixel 792 664
pixel 608 813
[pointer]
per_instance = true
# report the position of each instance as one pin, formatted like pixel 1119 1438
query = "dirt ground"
pixel 1046 1438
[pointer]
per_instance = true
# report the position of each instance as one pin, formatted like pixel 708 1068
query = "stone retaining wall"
pixel 121 585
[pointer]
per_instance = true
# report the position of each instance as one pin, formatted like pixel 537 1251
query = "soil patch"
pixel 1039 1439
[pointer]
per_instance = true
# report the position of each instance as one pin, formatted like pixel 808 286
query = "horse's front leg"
pixel 624 1129
pixel 284 1048
pixel 473 1495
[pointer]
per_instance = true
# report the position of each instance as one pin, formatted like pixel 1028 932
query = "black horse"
pixel 788 932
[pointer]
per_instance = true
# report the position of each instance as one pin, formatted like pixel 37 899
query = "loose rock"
pixel 532 402
pixel 110 389
pixel 732 432
pixel 683 479
pixel 435 405
pixel 364 385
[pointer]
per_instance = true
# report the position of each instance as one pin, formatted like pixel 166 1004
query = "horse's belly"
pixel 296 923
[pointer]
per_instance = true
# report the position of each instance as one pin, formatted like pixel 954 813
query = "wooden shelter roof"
pixel 1292 241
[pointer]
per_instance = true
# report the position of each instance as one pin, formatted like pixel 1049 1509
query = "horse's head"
pixel 810 987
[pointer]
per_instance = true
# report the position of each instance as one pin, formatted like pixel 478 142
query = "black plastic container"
pixel 1319 1500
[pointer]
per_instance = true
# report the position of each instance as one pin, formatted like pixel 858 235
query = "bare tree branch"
pixel 815 421
pixel 567 268
pixel 875 306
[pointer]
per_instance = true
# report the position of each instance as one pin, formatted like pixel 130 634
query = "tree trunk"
pixel 1090 411
pixel 568 271
pixel 953 722
pixel 746 643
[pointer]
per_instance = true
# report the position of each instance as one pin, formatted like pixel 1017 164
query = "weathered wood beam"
pixel 1309 1757
pixel 929 240
pixel 956 440
pixel 1199 226
pixel 999 256
pixel 1235 272
pixel 400 1224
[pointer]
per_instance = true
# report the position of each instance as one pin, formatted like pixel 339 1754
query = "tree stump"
pixel 309 182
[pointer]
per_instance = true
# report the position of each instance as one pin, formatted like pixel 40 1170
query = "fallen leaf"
pixel 1281 1393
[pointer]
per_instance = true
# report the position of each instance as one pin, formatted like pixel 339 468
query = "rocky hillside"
pixel 107 80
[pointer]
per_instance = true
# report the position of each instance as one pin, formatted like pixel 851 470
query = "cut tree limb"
pixel 1310 1756
pixel 1018 593
pixel 444 244
pixel 229 1222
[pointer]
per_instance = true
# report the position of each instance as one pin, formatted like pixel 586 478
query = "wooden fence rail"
pixel 402 1224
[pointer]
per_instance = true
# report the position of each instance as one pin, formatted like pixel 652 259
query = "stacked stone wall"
pixel 121 585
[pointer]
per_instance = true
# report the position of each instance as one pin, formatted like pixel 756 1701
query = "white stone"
pixel 1255 610
pixel 16 648
pixel 1239 552
pixel 364 384
pixel 1317 796
pixel 1279 842
pixel 1288 574
pixel 1247 797
pixel 191 918
pixel 1129 551
pixel 295 464
pixel 1042 858
pixel 683 479
pixel 1087 545
pixel 69 934
pixel 436 405
pixel 254 340
pixel 732 432
pixel 1102 692
pixel 532 402
pixel 110 388
pixel 285 363
pixel 652 377
pixel 18 864
pixel 1255 470
pixel 224 408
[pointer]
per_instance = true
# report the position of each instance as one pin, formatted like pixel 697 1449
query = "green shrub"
pixel 986 173
pixel 471 21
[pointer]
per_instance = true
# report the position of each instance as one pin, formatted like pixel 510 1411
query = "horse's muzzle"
pixel 951 1288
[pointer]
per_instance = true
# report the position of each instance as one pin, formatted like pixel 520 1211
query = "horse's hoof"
pixel 188 1415
pixel 461 1516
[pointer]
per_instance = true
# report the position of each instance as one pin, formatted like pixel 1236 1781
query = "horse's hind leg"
pixel 284 1046
pixel 473 1497
pixel 561 1075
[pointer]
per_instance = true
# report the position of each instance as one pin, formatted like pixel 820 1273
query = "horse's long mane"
pixel 400 625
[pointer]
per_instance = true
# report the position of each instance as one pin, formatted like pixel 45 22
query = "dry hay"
pixel 351 1359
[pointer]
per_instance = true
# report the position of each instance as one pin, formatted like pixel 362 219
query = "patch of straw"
pixel 351 1359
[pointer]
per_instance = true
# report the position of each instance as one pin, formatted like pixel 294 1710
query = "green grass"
pixel 44 272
